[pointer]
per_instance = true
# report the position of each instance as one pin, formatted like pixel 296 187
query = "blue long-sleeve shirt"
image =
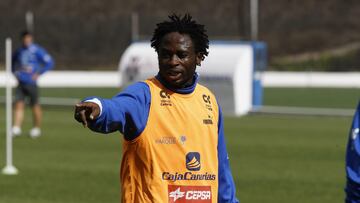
pixel 352 188
pixel 128 113
pixel 31 60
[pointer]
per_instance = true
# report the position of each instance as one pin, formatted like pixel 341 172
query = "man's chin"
pixel 174 83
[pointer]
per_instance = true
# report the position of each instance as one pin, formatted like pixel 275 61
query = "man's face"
pixel 177 59
pixel 27 40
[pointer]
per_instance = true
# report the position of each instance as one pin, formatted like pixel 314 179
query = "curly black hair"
pixel 183 25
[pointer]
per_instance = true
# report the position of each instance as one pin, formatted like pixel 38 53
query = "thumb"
pixel 95 111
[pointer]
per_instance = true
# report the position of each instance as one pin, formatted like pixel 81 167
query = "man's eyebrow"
pixel 163 49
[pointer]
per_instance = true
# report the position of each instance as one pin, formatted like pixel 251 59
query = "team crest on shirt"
pixel 165 98
pixel 206 98
pixel 207 101
pixel 208 106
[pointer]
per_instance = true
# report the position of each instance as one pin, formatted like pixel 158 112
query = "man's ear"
pixel 199 58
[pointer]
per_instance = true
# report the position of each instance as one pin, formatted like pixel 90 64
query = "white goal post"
pixel 9 168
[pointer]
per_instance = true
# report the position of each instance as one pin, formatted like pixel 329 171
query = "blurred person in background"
pixel 29 62
pixel 174 147
pixel 132 69
pixel 352 188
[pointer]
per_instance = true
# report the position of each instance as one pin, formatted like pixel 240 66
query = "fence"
pixel 93 35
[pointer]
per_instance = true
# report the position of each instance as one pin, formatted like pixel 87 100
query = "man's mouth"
pixel 173 74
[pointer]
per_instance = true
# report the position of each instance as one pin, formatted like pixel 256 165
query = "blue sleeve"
pixel 226 193
pixel 352 188
pixel 45 59
pixel 127 112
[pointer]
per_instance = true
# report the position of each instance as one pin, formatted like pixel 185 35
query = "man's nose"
pixel 174 60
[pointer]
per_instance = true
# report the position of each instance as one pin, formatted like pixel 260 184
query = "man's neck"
pixel 187 89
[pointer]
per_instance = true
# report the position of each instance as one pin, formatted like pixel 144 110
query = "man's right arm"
pixel 226 186
pixel 127 112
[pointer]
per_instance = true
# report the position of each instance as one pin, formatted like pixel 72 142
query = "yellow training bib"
pixel 175 158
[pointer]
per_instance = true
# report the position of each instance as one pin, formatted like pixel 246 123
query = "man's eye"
pixel 182 55
pixel 165 55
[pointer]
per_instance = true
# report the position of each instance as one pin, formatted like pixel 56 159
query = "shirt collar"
pixel 184 90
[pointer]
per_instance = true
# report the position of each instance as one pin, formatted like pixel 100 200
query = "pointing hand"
pixel 86 112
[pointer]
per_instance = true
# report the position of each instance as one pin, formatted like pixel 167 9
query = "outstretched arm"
pixel 127 112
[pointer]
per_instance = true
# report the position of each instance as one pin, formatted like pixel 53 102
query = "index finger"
pixel 79 114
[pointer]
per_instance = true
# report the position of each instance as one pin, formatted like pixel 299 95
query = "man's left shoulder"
pixel 207 95
pixel 204 89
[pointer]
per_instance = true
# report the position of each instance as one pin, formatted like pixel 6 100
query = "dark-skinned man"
pixel 174 147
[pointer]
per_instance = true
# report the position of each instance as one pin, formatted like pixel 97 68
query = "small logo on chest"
pixel 206 99
pixel 165 98
pixel 168 140
pixel 208 120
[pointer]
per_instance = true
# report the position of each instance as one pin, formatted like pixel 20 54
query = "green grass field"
pixel 275 159
pixel 312 97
